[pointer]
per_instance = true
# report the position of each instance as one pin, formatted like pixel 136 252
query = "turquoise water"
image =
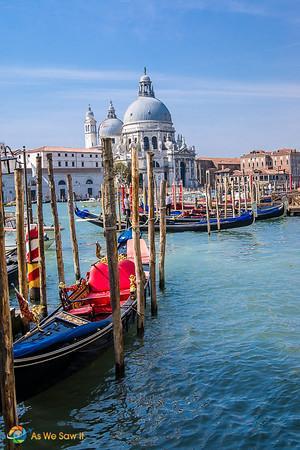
pixel 219 367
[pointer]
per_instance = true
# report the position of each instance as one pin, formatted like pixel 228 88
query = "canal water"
pixel 218 368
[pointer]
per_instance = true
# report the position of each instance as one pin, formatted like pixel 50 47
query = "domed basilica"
pixel 147 123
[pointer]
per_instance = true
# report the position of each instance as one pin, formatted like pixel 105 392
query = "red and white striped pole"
pixel 181 194
pixel 32 258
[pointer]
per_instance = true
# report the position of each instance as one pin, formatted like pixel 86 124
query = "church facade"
pixel 147 124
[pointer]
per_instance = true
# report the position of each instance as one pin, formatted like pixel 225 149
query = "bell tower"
pixel 90 129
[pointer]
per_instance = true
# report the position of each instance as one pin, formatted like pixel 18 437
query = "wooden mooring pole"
pixel 225 191
pixel 7 376
pixel 20 231
pixel 245 194
pixel 151 231
pixel 112 254
pixel 162 234
pixel 40 220
pixel 217 207
pixel 136 242
pixel 239 196
pixel 207 210
pixel 232 198
pixel 73 228
pixel 58 243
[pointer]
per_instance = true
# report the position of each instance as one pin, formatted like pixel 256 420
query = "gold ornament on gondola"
pixel 132 288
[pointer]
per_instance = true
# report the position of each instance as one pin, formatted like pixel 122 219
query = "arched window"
pixel 146 143
pixel 154 143
pixel 62 183
pixel 89 181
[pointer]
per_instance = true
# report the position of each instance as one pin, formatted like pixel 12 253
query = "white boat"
pixel 91 202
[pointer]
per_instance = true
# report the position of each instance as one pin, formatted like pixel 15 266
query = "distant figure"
pixel 168 204
pixel 127 210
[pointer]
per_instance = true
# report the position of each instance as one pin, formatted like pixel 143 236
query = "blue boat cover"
pixel 125 236
pixel 268 209
pixel 241 218
pixel 85 214
pixel 24 348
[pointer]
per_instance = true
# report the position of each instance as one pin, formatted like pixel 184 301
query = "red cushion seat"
pixel 82 311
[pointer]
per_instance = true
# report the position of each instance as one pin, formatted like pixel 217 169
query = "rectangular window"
pixel 72 155
pixel 81 155
pixel 59 163
pixel 96 164
pixel 82 164
pixel 73 164
pixel 91 156
pixel 66 154
pixel 96 156
pixel 66 163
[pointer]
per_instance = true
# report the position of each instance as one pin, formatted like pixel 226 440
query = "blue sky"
pixel 228 70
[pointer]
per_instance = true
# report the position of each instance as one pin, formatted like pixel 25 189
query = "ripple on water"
pixel 218 368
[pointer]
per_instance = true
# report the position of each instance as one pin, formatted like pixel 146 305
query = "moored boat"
pixel 174 226
pixel 76 331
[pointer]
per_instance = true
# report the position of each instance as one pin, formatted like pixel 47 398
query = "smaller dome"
pixel 144 78
pixel 89 112
pixel 111 126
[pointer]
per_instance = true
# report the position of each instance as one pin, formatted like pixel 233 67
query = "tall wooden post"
pixel 225 192
pixel 245 194
pixel 136 242
pixel 58 243
pixel 162 234
pixel 232 198
pixel 119 207
pixel 40 220
pixel 20 231
pixel 151 231
pixel 112 254
pixel 72 227
pixel 239 195
pixel 217 207
pixel 144 194
pixel 7 376
pixel 207 210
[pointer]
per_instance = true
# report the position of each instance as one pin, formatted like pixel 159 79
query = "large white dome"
pixel 147 108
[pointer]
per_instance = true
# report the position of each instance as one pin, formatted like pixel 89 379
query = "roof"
pixel 284 151
pixel 281 151
pixel 147 108
pixel 51 149
pixel 110 127
pixel 219 160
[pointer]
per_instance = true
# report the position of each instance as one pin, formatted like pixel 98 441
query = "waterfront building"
pixel 215 166
pixel 279 165
pixel 84 165
pixel 147 124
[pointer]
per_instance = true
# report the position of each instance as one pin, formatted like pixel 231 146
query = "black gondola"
pixel 173 226
pixel 76 332
pixel 12 265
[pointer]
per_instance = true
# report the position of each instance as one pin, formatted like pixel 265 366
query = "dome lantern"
pixel 145 87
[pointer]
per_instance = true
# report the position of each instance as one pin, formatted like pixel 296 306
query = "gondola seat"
pixel 85 311
pixel 98 297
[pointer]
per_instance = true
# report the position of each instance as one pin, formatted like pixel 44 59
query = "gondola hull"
pixel 34 373
pixel 271 212
pixel 173 226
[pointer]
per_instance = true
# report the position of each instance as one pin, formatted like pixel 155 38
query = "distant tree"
pixel 122 172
